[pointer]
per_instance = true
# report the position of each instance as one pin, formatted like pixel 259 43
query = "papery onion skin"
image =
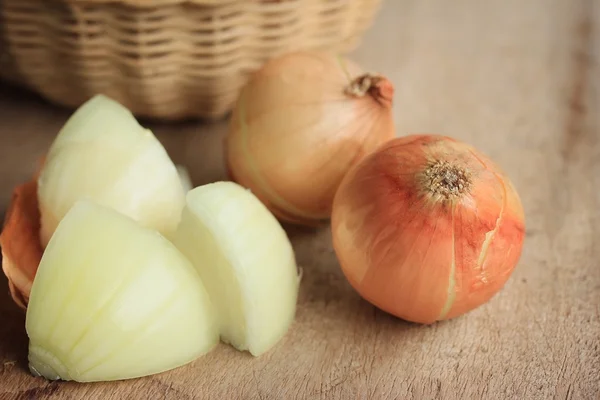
pixel 419 254
pixel 299 124
pixel 21 248
pixel 20 240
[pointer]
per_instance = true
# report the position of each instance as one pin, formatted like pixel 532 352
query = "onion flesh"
pixel 246 262
pixel 104 155
pixel 184 177
pixel 427 228
pixel 113 300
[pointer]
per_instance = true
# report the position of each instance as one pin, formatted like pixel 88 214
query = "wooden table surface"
pixel 518 79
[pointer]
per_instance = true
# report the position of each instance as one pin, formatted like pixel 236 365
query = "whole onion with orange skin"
pixel 298 126
pixel 427 228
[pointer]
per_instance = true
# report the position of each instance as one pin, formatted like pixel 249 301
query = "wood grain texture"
pixel 518 79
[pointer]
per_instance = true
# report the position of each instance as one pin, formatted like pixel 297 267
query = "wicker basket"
pixel 165 59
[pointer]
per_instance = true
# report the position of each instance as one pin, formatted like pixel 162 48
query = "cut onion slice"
pixel 104 155
pixel 113 300
pixel 245 260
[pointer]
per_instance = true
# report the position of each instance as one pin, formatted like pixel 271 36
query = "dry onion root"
pixel 299 124
pixel 427 228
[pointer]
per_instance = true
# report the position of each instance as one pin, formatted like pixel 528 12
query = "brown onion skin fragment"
pixel 20 241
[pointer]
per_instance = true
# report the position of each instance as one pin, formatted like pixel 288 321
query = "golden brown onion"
pixel 427 228
pixel 299 124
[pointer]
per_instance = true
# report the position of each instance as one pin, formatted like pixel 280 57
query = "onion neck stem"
pixel 377 86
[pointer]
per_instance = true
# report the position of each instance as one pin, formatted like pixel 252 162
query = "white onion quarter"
pixel 245 260
pixel 113 300
pixel 103 154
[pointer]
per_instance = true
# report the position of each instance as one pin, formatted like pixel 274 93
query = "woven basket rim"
pixel 154 3
pixel 165 59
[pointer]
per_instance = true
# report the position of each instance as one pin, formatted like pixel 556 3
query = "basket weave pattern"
pixel 167 59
